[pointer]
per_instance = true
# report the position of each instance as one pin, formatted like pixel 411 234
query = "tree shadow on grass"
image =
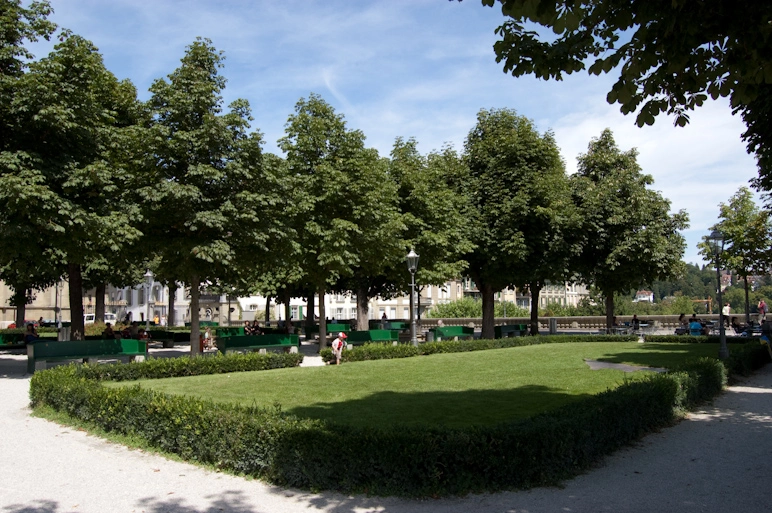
pixel 662 355
pixel 459 408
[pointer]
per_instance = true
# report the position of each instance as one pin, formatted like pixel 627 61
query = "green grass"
pixel 457 389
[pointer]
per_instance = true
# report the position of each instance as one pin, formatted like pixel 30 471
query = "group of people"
pixel 252 329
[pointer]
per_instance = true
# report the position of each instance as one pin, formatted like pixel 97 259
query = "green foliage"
pixel 747 233
pixel 65 124
pixel 664 65
pixel 209 202
pixel 629 237
pixel 407 461
pixel 469 307
pixel 516 197
pixel 188 366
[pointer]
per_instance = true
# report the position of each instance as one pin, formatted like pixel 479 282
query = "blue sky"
pixel 406 68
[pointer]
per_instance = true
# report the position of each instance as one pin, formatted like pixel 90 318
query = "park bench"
pixel 258 342
pixel 453 332
pixel 332 329
pixel 229 331
pixel 358 338
pixel 39 352
pixel 510 330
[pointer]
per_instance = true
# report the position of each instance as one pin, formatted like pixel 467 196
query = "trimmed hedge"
pixel 188 366
pixel 396 460
pixel 383 351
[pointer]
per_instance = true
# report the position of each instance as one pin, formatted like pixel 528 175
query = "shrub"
pixel 399 460
pixel 189 366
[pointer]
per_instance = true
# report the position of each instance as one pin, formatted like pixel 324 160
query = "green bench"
pixel 453 332
pixel 258 342
pixel 376 324
pixel 202 324
pixel 510 330
pixel 332 329
pixel 229 331
pixel 358 338
pixel 39 352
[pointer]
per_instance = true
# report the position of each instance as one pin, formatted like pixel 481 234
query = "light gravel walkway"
pixel 718 460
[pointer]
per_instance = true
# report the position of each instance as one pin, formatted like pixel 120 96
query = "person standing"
pixel 337 346
pixel 762 311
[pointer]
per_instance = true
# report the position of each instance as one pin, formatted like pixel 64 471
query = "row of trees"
pixel 98 186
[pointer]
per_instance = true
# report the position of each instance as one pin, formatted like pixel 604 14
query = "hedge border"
pixel 317 455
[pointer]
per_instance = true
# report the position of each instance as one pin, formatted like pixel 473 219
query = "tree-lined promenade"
pixel 97 186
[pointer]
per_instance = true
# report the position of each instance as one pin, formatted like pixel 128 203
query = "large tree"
pixel 630 238
pixel 429 223
pixel 671 55
pixel 343 210
pixel 747 232
pixel 210 208
pixel 61 171
pixel 517 197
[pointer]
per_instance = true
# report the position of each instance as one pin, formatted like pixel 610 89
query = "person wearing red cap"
pixel 337 346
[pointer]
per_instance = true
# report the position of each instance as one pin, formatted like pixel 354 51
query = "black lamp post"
pixel 717 243
pixel 412 266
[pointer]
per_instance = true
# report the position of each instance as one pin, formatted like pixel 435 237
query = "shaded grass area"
pixel 454 390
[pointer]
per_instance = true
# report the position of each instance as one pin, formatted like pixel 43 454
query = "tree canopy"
pixel 515 193
pixel 629 236
pixel 671 55
pixel 747 232
pixel 207 204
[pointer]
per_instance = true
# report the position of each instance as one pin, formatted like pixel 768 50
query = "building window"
pixel 381 312
pixel 406 313
pixel 129 297
pixel 393 312
pixel 339 313
pixel 428 291
pixel 294 312
pixel 141 296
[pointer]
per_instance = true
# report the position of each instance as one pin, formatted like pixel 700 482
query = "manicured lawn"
pixel 458 389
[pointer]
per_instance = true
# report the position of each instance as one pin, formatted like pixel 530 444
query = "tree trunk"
pixel 267 311
pixel 535 289
pixel 363 308
pixel 488 311
pixel 747 302
pixel 310 309
pixel 171 319
pixel 99 306
pixel 322 321
pixel 287 310
pixel 20 302
pixel 76 301
pixel 195 329
pixel 609 310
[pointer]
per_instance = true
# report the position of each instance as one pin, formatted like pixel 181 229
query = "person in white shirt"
pixel 337 346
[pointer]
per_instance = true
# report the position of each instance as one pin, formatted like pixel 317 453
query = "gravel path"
pixel 718 460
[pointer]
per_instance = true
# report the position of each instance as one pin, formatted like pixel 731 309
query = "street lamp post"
pixel 149 285
pixel 717 243
pixel 412 266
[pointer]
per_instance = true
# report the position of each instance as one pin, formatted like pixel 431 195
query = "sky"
pixel 406 68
